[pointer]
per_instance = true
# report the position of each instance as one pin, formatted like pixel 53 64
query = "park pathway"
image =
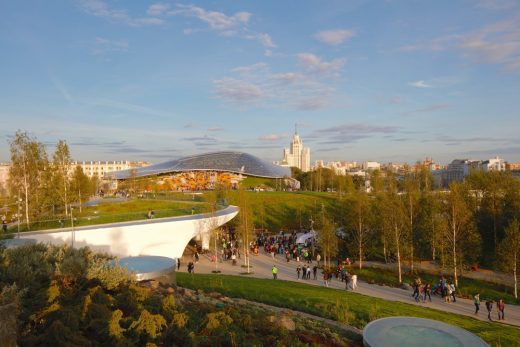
pixel 262 265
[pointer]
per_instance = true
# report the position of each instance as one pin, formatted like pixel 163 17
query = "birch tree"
pixel 61 163
pixel 510 251
pixel 459 218
pixel 411 188
pixel 394 221
pixel 358 220
pixel 28 160
pixel 245 225
pixel 327 238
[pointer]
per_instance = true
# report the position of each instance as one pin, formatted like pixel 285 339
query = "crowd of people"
pixel 501 306
pixel 308 266
pixel 284 244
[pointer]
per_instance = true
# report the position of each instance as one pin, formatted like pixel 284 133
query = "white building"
pixel 371 165
pixel 100 168
pixel 296 155
pixel 494 164
pixel 4 174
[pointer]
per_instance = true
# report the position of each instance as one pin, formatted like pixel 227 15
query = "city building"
pixel 296 155
pixel 4 175
pixel 371 165
pixel 494 164
pixel 513 166
pixel 100 168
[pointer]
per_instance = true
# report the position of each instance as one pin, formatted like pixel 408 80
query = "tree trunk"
pixel 216 254
pixel 433 238
pixel 455 258
pixel 26 191
pixel 360 256
pixel 384 250
pixel 398 255
pixel 515 277
pixel 360 240
pixel 65 191
pixel 79 198
pixel 411 234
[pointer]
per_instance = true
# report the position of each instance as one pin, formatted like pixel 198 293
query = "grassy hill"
pixel 288 210
pixel 346 307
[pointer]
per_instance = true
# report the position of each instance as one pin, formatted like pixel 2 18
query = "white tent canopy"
pixel 304 237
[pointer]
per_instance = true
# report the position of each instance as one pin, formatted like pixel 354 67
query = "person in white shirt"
pixel 354 282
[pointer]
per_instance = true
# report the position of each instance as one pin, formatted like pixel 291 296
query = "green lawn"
pixel 112 211
pixel 347 307
pixel 467 287
pixel 285 210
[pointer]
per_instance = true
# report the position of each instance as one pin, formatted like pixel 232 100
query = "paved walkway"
pixel 262 265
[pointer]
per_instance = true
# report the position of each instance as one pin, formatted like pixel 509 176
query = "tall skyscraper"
pixel 296 155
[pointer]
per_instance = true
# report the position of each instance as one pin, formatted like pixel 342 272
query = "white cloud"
pixel 263 38
pixel 238 91
pixel 100 8
pixel 215 20
pixel 148 21
pixel 157 9
pixel 250 68
pixel 497 4
pixel 295 90
pixel 268 53
pixel 497 44
pixel 223 24
pixel 419 84
pixel 312 63
pixel 103 45
pixel 334 37
pixel 288 77
pixel 273 137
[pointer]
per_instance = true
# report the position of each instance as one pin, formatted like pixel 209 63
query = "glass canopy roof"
pixel 236 162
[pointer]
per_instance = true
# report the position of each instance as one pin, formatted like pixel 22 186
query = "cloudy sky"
pixel 387 80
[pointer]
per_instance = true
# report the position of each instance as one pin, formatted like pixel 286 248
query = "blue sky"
pixel 365 80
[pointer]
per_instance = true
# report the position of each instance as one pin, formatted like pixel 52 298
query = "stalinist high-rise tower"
pixel 296 155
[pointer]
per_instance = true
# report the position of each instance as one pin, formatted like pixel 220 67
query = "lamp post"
pixel 72 225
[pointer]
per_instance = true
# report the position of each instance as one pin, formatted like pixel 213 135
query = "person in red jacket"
pixel 501 306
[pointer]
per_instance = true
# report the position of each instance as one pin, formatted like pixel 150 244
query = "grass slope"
pixel 347 307
pixel 277 210
pixel 112 211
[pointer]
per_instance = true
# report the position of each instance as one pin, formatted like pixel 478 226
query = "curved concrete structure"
pixel 412 331
pixel 165 237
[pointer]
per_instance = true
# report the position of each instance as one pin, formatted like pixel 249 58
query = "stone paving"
pixel 262 265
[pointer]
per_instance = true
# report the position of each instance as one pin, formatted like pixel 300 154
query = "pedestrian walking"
pixel 318 258
pixel 453 290
pixel 354 282
pixel 427 292
pixel 274 270
pixel 325 278
pixel 489 307
pixel 308 272
pixel 315 271
pixel 476 301
pixel 501 307
pixel 298 270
